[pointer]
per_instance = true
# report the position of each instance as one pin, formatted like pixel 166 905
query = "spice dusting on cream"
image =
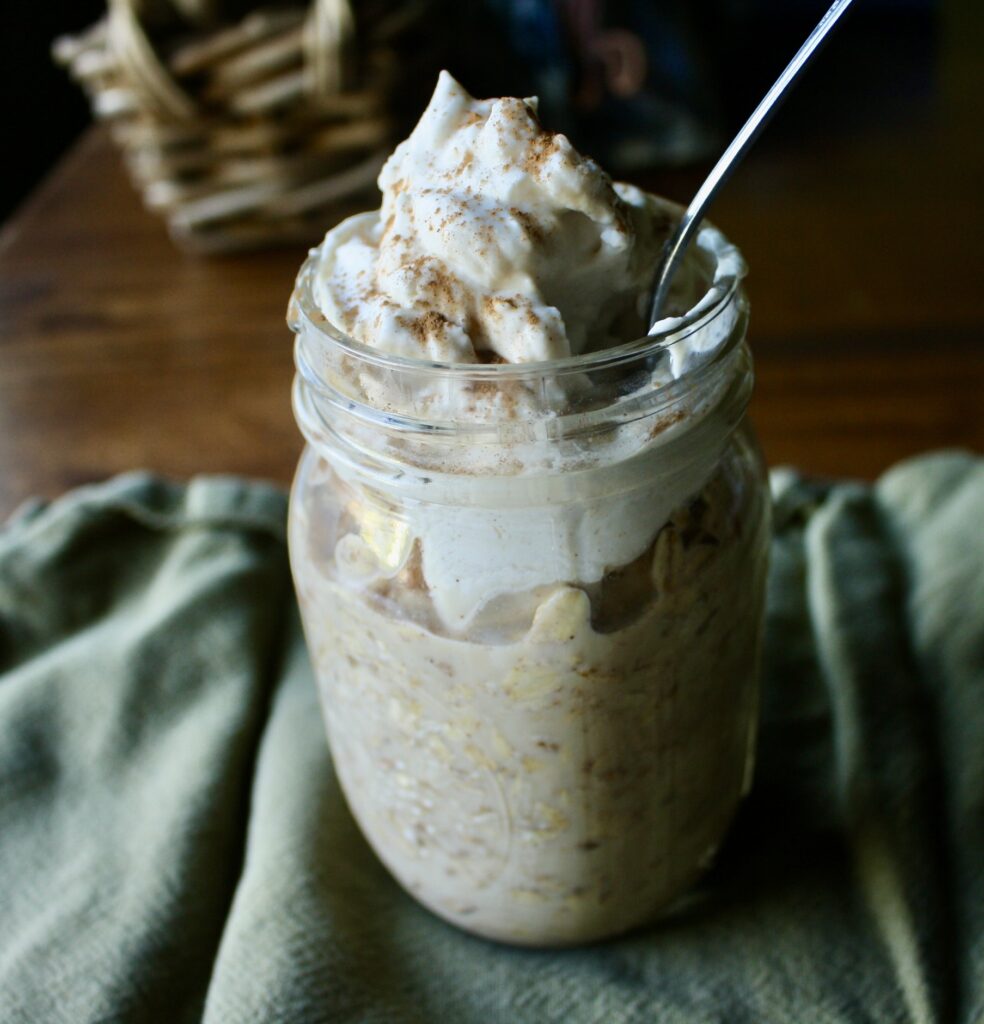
pixel 496 240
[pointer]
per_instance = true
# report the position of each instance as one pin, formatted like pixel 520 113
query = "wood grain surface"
pixel 118 352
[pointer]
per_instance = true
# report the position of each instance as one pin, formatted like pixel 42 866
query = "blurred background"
pixel 637 83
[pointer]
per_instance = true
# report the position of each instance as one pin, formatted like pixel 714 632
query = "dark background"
pixel 888 64
pixel 42 109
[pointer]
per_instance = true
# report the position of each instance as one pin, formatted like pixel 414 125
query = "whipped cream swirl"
pixel 496 242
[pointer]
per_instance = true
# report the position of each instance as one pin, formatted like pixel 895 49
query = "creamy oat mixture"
pixel 541 704
pixel 566 779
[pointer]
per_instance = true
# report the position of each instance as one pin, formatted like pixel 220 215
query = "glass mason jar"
pixel 533 596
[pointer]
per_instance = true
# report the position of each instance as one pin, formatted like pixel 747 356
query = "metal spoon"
pixel 677 244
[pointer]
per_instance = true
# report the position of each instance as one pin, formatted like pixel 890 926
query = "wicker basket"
pixel 260 132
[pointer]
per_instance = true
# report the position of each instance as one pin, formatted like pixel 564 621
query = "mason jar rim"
pixel 324 403
pixel 729 272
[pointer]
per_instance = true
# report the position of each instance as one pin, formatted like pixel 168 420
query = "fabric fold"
pixel 884 747
pixel 936 511
pixel 136 622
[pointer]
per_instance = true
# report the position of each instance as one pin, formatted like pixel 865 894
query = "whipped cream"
pixel 496 241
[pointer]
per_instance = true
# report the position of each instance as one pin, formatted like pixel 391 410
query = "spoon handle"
pixel 740 144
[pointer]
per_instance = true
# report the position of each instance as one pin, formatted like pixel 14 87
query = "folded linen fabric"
pixel 174 845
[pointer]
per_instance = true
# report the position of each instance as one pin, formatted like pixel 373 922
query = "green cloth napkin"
pixel 174 845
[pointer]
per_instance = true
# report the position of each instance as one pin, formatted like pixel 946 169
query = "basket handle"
pixel 329 34
pixel 327 43
pixel 139 61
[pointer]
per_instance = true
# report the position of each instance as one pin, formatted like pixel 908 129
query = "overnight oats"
pixel 529 548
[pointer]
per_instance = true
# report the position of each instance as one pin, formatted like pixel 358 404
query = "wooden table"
pixel 118 352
